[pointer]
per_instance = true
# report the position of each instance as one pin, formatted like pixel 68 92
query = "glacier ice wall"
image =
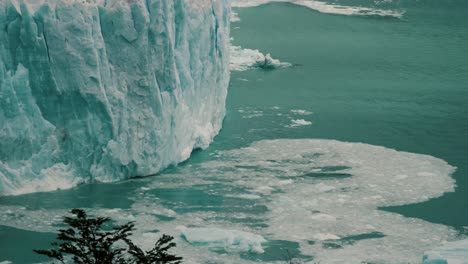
pixel 103 90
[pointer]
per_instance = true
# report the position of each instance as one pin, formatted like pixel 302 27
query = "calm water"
pixel 397 83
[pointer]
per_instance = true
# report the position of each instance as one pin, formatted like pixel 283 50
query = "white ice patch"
pixel 248 112
pixel 451 253
pixel 299 122
pixel 323 7
pixel 244 59
pixel 229 239
pixel 301 112
pixel 234 17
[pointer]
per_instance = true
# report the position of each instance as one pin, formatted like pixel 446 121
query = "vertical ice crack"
pixel 216 26
pixel 47 47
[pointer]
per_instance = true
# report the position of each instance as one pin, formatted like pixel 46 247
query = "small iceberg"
pixel 267 62
pixel 230 239
pixel 244 59
pixel 299 122
pixel 451 253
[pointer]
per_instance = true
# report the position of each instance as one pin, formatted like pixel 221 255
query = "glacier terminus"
pixel 104 90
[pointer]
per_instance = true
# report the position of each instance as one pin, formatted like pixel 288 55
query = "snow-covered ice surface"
pixel 324 7
pixel 107 90
pixel 320 195
pixel 450 253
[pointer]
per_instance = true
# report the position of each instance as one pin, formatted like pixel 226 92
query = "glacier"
pixel 105 90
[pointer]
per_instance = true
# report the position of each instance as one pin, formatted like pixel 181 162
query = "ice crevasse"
pixel 104 90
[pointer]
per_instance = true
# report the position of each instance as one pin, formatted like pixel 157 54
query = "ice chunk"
pixel 267 62
pixel 244 59
pixel 300 122
pixel 451 253
pixel 231 239
pixel 106 90
pixel 234 17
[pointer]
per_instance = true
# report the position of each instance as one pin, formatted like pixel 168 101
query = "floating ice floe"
pixel 299 122
pixel 230 239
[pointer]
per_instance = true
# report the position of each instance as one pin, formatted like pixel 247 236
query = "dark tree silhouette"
pixel 159 254
pixel 87 243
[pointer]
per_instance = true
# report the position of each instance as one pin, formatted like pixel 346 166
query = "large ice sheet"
pixel 107 90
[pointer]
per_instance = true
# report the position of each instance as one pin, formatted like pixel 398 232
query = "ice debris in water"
pixel 244 59
pixel 451 253
pixel 336 193
pixel 267 62
pixel 330 206
pixel 301 112
pixel 229 239
pixel 299 122
pixel 324 7
pixel 234 17
pixel 107 90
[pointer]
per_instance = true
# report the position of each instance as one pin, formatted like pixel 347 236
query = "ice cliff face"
pixel 107 89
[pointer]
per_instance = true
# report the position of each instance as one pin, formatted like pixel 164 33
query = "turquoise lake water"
pixel 397 83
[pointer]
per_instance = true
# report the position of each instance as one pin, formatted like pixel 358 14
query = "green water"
pixel 397 83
